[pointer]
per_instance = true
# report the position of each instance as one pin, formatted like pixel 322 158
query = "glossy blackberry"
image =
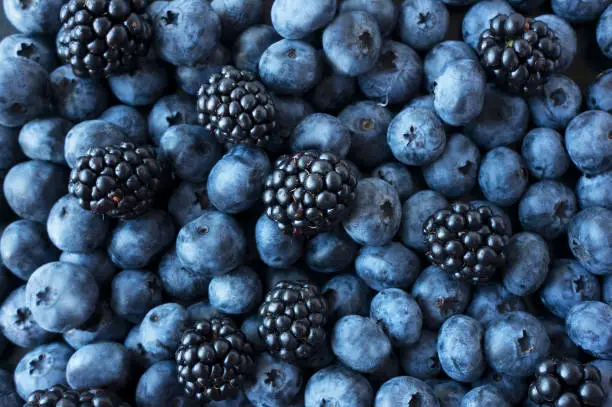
pixel 468 243
pixel 118 181
pixel 61 396
pixel 566 383
pixel 237 108
pixel 518 53
pixel 293 314
pixel 103 37
pixel 309 192
pixel 213 360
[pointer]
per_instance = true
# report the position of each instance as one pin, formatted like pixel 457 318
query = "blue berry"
pixel 460 348
pixel 559 102
pixel 420 359
pixel 190 78
pixel 276 248
pixel 37 18
pixel 237 15
pixel 333 92
pixel 158 386
pixel 346 294
pixel 604 32
pixel 274 382
pixel 131 122
pixel 102 364
pixel 236 292
pixel 403 391
pixel 8 394
pixel 491 301
pixel 161 329
pixel 399 315
pixel 503 176
pixel 595 190
pixel 415 212
pixel 17 324
pixel 337 384
pixel 599 93
pixel 383 11
pixel 187 202
pixel 551 165
pixel 28 47
pixel 43 139
pixel 103 325
pixel 423 23
pixel 42 367
pixel 448 392
pixel 168 111
pixel 607 290
pixel 567 38
pixel 144 86
pixel 397 175
pixel 330 252
pixel 178 281
pixel 24 86
pixel 577 11
pixel 528 259
pixel 589 233
pixel 296 20
pixel 251 44
pixel 11 154
pixel 97 262
pixel 512 388
pixel 293 110
pixel 478 18
pixel 589 325
pixel 322 132
pixel 389 266
pixel 561 346
pixel 486 395
pixel 87 134
pixel 443 54
pixel 134 293
pixel 587 141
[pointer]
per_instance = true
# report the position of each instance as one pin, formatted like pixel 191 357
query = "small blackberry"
pixel 468 243
pixel 118 181
pixel 309 192
pixel 60 396
pixel 103 37
pixel 237 108
pixel 518 53
pixel 213 360
pixel 293 314
pixel 566 383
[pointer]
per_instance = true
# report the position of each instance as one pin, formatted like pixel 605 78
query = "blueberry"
pixel 352 43
pixel 397 175
pixel 290 67
pixel 415 212
pixel 140 358
pixel 604 32
pixel 293 110
pixel 515 343
pixel 11 154
pixel 168 111
pixel 17 324
pixel 321 132
pixel 25 246
pixel 42 367
pixel 102 364
pixel 589 233
pixel 321 359
pixel 587 141
pixel 389 266
pixel 528 261
pixel 131 122
pixel 237 15
pixel 403 391
pixel 236 292
pixel 43 139
pixel 275 383
pixel 389 369
pixel 526 5
pixel 333 92
pixel 360 343
pixel 439 296
pixel 376 214
pixel 503 176
pixel 158 386
pixel 186 31
pixel 579 12
pixel 24 87
pixel 551 165
pixel 134 293
pixel 512 388
pixel 296 20
pixel 28 47
pixel 190 78
pixel 443 54
pixel 275 248
pixel 460 348
pixel 448 392
pixel 607 289
pixel 330 252
pixel 249 328
pixel 420 359
pixel 491 301
pixel 567 38
pixel 161 329
pixel 97 262
pixel 103 325
pixel 203 310
pixel 399 315
pixel 146 84
pixel 337 384
pixel 559 102
pixel 8 394
pixel 383 11
pixel 486 395
pixel 251 44
pixel 178 281
pixel 561 346
pixel 346 295
pixel 589 325
pixel 40 17
pixel 477 18
pixel 87 134
pixel 423 23
pixel 396 77
pixel 187 202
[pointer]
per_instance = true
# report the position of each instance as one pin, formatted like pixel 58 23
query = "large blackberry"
pixel 213 360
pixel 309 192
pixel 518 53
pixel 468 243
pixel 293 314
pixel 103 37
pixel 566 383
pixel 237 108
pixel 61 396
pixel 118 181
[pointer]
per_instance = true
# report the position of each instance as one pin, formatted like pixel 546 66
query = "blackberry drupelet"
pixel 518 53
pixel 61 396
pixel 309 192
pixel 468 243
pixel 213 360
pixel 103 37
pixel 118 181
pixel 294 314
pixel 566 383
pixel 237 108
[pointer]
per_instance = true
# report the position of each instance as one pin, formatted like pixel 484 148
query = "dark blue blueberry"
pixel 360 343
pixel 40 17
pixel 8 393
pixel 274 382
pixel 439 296
pixel 399 315
pixel 403 391
pixel 102 364
pixel 578 11
pixel 491 301
pixel 25 246
pixel 32 48
pixel 290 67
pixel 454 173
pixel 75 98
pixel 10 154
pixel 103 325
pixel 604 32
pixel 97 262
pixel 159 386
pixel 589 325
pixel 322 358
pixel 396 77
pixel 420 360
pixel 187 202
pixel 330 252
pixel 515 343
pixel 17 324
pixel 142 87
pixel 443 54
pixel 423 23
pixel 334 92
pixel 567 38
pixel 415 212
pixel 389 266
pixel 599 93
pixel 134 293
pixel 236 292
pixel 460 348
pixel 607 289
pixel 276 248
pixel 478 18
pixel 186 31
pixel 131 122
pixel 170 111
pixel 140 358
pixel 551 165
pixel 190 78
pixel 487 395
pixel 337 384
pixel 527 266
pixel 87 134
pixel 558 103
pixel 397 175
pixel 322 132
pixel 352 43
pixel 448 392
pixel 293 110
pixel 383 11
pixel 24 87
pixel 135 242
pixel 203 310
pixel 178 281
pixel 512 388
pixel 249 328
pixel 346 295
pixel 237 15
pixel 526 5
pixel 503 176
pixel 390 369
pixel 589 234
pixel 42 367
pixel 43 139
pixel 161 329
pixel 251 44
pixel 587 139
pixel 237 180
pixel 296 20
pixel 376 215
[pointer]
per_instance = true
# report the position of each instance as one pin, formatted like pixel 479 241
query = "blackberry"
pixel 518 53
pixel 309 192
pixel 237 108
pixel 468 243
pixel 103 37
pixel 293 314
pixel 61 396
pixel 566 383
pixel 213 360
pixel 118 181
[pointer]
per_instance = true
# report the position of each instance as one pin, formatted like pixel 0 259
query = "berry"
pixel 60 395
